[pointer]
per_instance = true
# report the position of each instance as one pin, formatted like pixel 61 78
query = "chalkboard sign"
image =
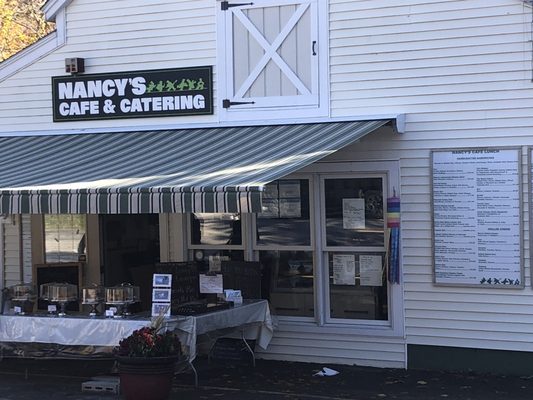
pixel 244 276
pixel 59 273
pixel 184 281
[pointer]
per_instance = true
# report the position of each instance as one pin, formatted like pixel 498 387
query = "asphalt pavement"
pixel 273 380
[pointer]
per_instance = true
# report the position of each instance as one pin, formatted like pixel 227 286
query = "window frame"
pixel 394 327
pixel 330 248
pixel 256 248
pixel 310 247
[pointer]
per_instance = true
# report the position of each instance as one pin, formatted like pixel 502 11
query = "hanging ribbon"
pixel 393 225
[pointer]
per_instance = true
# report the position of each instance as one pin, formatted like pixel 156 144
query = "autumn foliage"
pixel 21 24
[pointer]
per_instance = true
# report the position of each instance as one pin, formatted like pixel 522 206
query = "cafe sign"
pixel 155 93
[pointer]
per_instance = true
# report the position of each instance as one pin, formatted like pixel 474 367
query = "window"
pixel 354 240
pixel 215 237
pixel 216 229
pixel 270 55
pixel 285 216
pixel 283 241
pixel 321 243
pixel 65 238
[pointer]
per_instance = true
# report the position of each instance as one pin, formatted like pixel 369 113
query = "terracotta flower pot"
pixel 147 378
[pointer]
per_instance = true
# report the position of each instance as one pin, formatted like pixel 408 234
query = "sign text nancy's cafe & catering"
pixel 158 93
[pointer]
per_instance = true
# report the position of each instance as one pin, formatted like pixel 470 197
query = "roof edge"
pixel 35 51
pixel 28 55
pixel 53 7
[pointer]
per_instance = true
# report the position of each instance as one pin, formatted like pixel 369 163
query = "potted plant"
pixel 146 361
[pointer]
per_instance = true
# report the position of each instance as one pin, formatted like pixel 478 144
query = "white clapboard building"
pixel 373 156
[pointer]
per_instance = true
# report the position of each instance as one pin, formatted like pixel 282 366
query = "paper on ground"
pixel 326 372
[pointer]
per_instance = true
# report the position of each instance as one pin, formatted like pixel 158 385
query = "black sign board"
pixel 244 276
pixel 156 93
pixel 185 282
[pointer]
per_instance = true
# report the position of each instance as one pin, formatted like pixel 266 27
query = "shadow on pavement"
pixel 55 379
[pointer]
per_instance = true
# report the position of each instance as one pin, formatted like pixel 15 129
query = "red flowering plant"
pixel 150 341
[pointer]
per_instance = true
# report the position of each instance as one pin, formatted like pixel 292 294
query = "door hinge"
pixel 227 104
pixel 225 5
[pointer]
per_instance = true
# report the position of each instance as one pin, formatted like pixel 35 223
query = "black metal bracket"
pixel 225 5
pixel 226 103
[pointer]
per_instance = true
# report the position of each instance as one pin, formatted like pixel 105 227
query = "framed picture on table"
pixel 161 295
pixel 162 280
pixel 160 309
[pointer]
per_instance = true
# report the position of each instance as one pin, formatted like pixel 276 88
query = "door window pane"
pixel 357 286
pixel 65 239
pixel 285 216
pixel 354 212
pixel 216 229
pixel 288 280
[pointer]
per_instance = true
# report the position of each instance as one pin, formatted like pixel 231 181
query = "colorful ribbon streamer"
pixel 393 223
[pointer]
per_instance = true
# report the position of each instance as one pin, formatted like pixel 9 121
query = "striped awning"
pixel 187 170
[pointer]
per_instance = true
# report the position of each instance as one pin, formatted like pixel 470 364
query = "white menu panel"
pixel 476 217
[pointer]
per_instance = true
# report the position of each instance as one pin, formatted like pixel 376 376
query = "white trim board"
pixel 399 120
pixel 53 7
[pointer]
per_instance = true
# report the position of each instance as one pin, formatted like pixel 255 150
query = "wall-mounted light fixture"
pixel 74 65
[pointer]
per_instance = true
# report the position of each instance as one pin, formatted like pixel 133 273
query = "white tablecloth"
pixel 251 314
pixel 71 331
pixel 100 332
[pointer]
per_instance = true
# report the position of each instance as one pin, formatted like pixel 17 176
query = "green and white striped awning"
pixel 187 170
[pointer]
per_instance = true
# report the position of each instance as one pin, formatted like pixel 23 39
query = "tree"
pixel 21 24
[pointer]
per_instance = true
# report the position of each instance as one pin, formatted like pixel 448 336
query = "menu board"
pixel 184 286
pixel 476 217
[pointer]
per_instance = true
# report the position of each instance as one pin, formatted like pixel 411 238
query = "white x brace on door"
pixel 271 55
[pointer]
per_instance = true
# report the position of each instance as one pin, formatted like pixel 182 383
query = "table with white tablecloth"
pixel 98 336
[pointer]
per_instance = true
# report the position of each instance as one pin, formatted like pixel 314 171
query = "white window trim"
pixel 394 326
pixel 298 111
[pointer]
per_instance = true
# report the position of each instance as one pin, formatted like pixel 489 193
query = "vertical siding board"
pixel 272 72
pixel 288 52
pixel 256 52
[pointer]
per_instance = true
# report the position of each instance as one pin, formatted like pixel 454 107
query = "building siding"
pixel 461 71
pixel 113 36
